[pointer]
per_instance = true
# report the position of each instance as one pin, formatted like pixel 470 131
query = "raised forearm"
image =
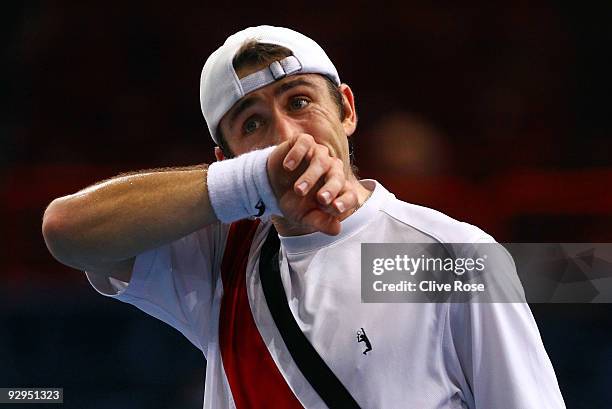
pixel 122 217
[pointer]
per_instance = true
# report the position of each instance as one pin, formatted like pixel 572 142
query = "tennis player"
pixel 256 257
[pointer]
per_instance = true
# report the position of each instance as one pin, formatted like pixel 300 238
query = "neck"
pixel 287 228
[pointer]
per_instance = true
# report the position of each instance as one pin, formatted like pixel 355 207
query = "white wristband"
pixel 239 188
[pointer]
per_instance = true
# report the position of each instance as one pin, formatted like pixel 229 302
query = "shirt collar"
pixel 350 225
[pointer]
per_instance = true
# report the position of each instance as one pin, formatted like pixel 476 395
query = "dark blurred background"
pixel 495 114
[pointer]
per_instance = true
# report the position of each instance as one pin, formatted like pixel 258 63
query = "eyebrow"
pixel 292 84
pixel 250 101
pixel 241 107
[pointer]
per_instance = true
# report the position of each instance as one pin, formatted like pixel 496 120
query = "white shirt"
pixel 436 355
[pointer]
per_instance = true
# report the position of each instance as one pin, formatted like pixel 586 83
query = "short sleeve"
pixel 175 282
pixel 501 354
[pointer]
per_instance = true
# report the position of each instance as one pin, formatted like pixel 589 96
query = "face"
pixel 294 105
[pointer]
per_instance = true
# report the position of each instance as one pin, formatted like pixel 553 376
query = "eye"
pixel 298 103
pixel 251 125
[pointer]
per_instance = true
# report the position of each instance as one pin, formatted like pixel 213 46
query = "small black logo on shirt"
pixel 261 207
pixel 362 337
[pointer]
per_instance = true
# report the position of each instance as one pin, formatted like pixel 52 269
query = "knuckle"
pixel 306 139
pixel 351 196
pixel 298 151
pixel 337 174
pixel 295 141
pixel 322 155
pixel 339 178
pixel 336 184
pixel 338 167
pixel 306 177
pixel 300 147
pixel 321 161
pixel 298 143
pixel 322 150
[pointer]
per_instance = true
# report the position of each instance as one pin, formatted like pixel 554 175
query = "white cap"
pixel 220 87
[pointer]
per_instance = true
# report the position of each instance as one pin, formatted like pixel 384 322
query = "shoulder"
pixel 431 222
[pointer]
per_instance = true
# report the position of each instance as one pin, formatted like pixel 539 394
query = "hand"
pixel 310 186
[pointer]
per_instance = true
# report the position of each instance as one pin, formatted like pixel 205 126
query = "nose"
pixel 284 127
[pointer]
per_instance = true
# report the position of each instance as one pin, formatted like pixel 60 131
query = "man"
pixel 195 247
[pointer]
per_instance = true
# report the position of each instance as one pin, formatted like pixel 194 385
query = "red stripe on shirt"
pixel 254 379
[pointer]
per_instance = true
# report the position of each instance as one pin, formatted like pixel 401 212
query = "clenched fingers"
pixel 318 167
pixel 334 182
pixel 302 148
pixel 347 200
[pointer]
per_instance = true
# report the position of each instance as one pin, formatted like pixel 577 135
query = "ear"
pixel 219 154
pixel 350 114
